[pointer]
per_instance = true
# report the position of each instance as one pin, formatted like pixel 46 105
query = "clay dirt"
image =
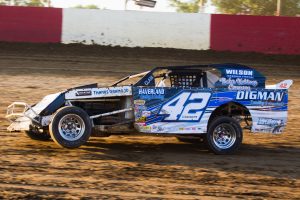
pixel 138 167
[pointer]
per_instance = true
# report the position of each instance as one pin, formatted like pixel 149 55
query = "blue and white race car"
pixel 213 102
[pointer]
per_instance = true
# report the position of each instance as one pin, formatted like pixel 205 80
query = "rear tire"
pixel 224 135
pixel 71 127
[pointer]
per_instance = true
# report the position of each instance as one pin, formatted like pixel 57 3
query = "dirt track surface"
pixel 144 167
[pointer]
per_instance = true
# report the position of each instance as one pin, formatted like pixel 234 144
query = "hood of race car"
pixel 89 93
pixel 49 104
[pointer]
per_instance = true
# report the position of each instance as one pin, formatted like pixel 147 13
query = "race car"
pixel 213 102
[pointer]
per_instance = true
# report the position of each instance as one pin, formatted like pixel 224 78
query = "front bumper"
pixel 22 116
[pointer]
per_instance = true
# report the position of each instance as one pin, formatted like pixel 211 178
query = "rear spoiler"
pixel 286 84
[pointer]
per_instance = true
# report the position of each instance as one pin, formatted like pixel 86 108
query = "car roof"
pixel 219 67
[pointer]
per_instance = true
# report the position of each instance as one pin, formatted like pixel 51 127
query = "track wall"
pixel 136 29
pixel 238 33
pixel 264 34
pixel 30 24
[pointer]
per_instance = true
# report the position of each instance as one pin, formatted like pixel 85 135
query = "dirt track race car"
pixel 214 102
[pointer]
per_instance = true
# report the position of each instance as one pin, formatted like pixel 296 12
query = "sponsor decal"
pixel 140 107
pixel 146 113
pixel 145 128
pixel 260 95
pixel 151 93
pixel 189 129
pixel 141 124
pixel 157 128
pixel 148 80
pixel 106 91
pixel 267 103
pixel 84 93
pixel 220 99
pixel 270 122
pixel 185 106
pixel 141 119
pixel 139 102
pixel 238 81
pixel 272 125
pixel 275 130
pixel 98 92
pixel 138 111
pixel 234 87
pixel 261 130
pixel 239 72
pixel 283 85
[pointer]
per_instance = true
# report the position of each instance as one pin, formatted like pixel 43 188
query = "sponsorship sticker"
pixel 106 91
pixel 236 73
pixel 145 128
pixel 260 95
pixel 146 113
pixel 151 93
pixel 84 93
pixel 269 121
pixel 139 102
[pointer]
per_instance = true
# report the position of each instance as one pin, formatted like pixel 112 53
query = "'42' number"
pixel 187 106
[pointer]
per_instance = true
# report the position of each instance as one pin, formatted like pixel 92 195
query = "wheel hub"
pixel 71 127
pixel 224 136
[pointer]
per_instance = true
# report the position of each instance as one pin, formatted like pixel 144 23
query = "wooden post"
pixel 278 12
pixel 200 4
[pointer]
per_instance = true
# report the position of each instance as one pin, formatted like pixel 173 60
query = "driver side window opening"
pixel 162 78
pixel 187 78
pixel 213 75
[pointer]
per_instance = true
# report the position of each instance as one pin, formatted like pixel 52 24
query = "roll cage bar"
pixel 186 71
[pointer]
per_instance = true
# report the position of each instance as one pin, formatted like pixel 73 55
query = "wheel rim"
pixel 71 127
pixel 224 136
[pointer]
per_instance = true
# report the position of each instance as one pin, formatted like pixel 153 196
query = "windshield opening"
pixel 130 80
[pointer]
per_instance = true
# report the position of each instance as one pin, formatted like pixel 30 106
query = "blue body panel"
pixel 187 111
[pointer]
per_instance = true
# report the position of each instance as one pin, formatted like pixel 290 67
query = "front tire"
pixel 37 135
pixel 71 127
pixel 224 135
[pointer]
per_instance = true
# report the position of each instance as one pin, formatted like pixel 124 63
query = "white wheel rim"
pixel 224 136
pixel 71 127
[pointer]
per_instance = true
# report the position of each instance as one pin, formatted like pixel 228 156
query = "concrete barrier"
pixel 264 34
pixel 136 29
pixel 30 24
pixel 238 33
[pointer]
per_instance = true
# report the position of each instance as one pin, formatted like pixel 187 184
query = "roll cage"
pixel 191 76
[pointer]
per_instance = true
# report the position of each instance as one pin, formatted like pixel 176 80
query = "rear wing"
pixel 286 84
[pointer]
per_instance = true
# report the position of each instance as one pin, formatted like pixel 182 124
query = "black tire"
pixel 225 129
pixel 68 119
pixel 36 135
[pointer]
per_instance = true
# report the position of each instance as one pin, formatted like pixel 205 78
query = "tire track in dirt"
pixel 97 192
